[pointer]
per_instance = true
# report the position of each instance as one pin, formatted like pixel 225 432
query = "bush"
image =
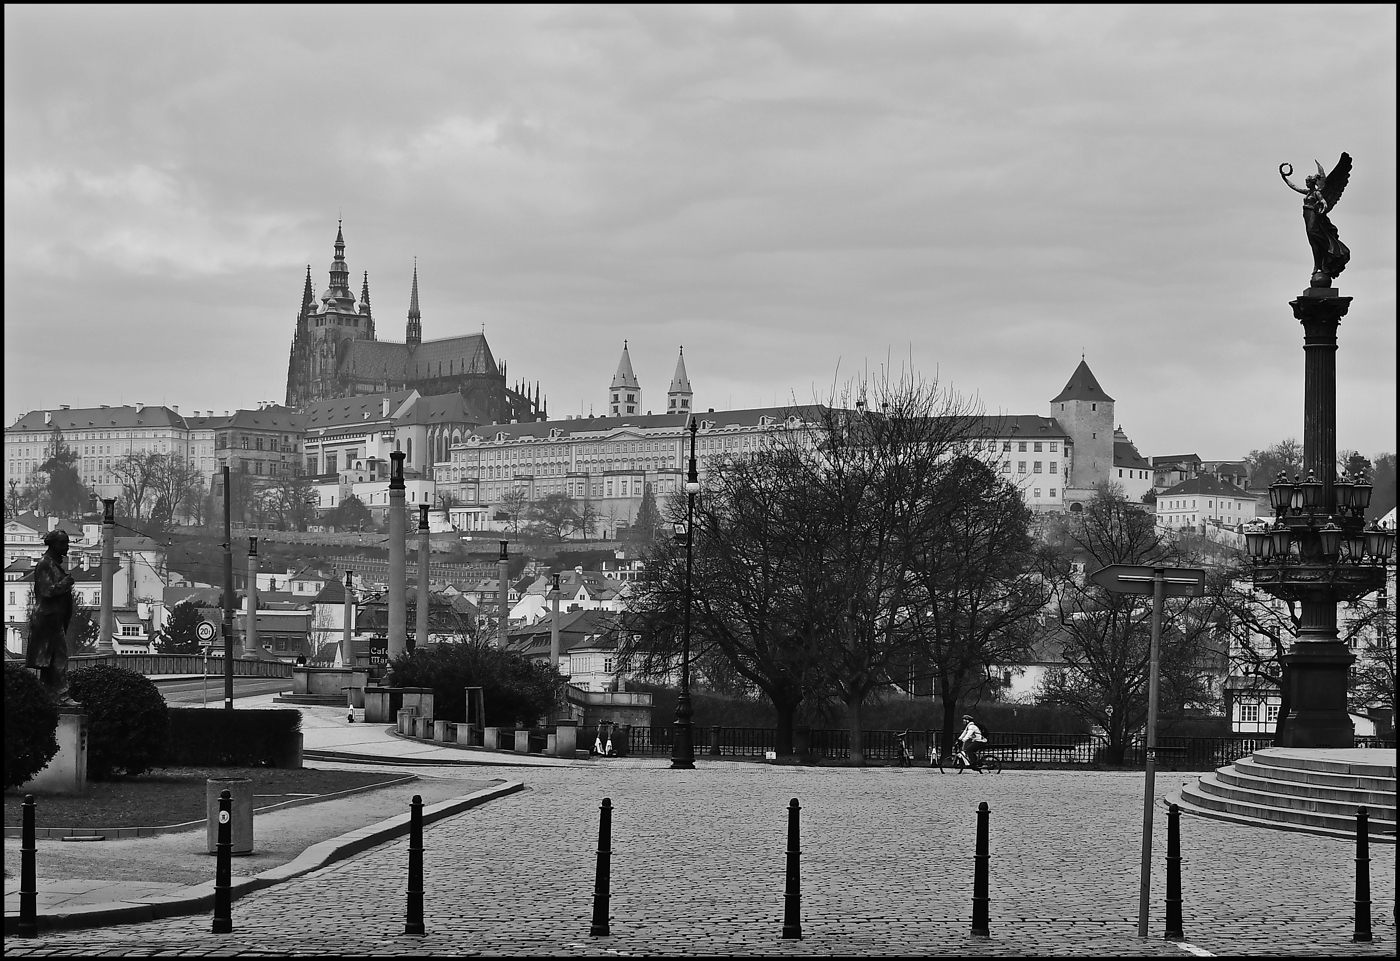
pixel 127 720
pixel 31 718
pixel 517 691
pixel 201 737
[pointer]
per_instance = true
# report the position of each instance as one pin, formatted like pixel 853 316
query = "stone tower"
pixel 1086 414
pixel 625 394
pixel 679 395
pixel 323 333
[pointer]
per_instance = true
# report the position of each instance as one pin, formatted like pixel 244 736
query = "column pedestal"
pixel 1316 675
pixel 67 772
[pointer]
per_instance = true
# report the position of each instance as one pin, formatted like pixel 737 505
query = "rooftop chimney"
pixel 385 412
pixel 64 407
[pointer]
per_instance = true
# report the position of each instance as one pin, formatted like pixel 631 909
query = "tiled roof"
pixel 1082 386
pixel 1126 455
pixel 1018 425
pixel 380 360
pixel 751 417
pixel 1170 459
pixel 1203 484
pixel 100 417
pixel 575 629
pixel 345 411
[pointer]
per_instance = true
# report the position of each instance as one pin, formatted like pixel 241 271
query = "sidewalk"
pixel 138 879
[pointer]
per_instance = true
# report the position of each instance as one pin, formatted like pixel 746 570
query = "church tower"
pixel 414 336
pixel 679 395
pixel 1086 414
pixel 625 394
pixel 323 333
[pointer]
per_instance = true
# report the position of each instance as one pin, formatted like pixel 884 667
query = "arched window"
pixel 408 451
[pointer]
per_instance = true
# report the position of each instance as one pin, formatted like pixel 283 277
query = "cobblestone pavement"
pixel 698 868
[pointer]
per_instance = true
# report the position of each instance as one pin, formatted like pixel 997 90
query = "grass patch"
pixel 176 795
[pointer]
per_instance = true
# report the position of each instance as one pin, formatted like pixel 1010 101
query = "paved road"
pixel 698 869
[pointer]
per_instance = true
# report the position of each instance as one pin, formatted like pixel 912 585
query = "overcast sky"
pixel 794 194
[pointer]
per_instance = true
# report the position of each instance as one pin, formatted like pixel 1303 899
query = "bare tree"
pixel 1107 636
pixel 137 474
pixel 290 500
pixel 514 503
pixel 172 482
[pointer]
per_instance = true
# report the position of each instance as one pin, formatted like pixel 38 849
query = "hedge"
pixel 127 723
pixel 31 718
pixel 216 737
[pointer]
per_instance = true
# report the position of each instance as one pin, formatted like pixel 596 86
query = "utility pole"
pixel 422 632
pixel 228 592
pixel 504 595
pixel 250 631
pixel 109 562
pixel 398 574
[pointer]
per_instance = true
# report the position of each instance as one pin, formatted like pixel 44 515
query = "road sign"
pixel 205 631
pixel 1126 579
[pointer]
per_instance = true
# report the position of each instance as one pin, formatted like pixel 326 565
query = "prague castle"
pixel 336 353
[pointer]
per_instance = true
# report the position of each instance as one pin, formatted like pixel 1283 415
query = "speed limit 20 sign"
pixel 205 631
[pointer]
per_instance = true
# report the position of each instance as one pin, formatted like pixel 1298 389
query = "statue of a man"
pixel 53 610
pixel 1330 255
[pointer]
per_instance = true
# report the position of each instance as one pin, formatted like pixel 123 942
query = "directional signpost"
pixel 1160 582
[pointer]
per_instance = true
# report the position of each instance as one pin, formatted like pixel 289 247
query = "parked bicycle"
pixel 958 761
pixel 905 756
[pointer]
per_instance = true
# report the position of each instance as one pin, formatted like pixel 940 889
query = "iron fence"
pixel 1028 750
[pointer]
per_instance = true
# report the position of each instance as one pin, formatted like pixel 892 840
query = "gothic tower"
pixel 414 334
pixel 1086 414
pixel 679 395
pixel 625 394
pixel 322 333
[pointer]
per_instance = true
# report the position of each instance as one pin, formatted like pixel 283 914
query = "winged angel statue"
pixel 1330 255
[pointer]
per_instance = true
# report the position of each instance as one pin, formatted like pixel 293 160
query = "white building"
pixel 1201 500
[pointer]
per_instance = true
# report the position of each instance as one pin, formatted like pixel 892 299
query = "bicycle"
pixel 905 757
pixel 958 761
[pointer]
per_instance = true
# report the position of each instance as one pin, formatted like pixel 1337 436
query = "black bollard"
pixel 980 897
pixel 223 867
pixel 602 877
pixel 792 895
pixel 1174 932
pixel 28 883
pixel 414 924
pixel 1363 876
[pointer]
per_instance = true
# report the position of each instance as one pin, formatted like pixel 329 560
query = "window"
pixel 607 665
pixel 1020 467
pixel 129 631
pixel 260 443
pixel 1036 468
pixel 1249 713
pixel 1271 713
pixel 1037 493
pixel 1021 446
pixel 1052 492
pixel 1006 467
pixel 1037 447
pixel 1054 467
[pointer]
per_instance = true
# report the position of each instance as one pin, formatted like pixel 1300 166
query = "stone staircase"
pixel 1293 789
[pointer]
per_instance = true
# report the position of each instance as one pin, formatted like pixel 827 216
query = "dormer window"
pixel 707 425
pixel 767 421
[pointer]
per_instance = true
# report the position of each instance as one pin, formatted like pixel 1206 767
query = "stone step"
pixel 1364 763
pixel 1249 778
pixel 1181 799
pixel 1265 795
pixel 1344 781
pixel 1280 816
pixel 322 700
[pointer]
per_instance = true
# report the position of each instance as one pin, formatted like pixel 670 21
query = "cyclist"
pixel 970 738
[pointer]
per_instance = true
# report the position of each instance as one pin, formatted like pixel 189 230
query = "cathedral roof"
pixel 624 376
pixel 680 383
pixel 1082 386
pixel 388 362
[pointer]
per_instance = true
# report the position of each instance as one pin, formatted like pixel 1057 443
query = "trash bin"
pixel 241 834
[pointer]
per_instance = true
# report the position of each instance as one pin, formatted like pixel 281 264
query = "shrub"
pixel 201 737
pixel 31 717
pixel 127 720
pixel 517 690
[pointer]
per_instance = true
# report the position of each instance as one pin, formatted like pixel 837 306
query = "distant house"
pixel 587 647
pixel 1202 500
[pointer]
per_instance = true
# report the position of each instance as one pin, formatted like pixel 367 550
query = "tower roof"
pixel 1082 386
pixel 680 383
pixel 624 376
pixel 413 313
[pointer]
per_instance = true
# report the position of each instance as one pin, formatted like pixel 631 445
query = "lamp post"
pixel 683 745
pixel 1318 552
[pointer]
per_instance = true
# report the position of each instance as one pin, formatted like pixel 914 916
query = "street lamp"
pixel 683 745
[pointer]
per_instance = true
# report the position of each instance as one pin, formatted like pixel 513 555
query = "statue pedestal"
pixel 67 772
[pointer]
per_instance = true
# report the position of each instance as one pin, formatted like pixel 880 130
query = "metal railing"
pixel 181 664
pixel 1194 753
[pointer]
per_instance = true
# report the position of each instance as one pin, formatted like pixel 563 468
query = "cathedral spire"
pixel 625 393
pixel 415 318
pixel 679 394
pixel 364 295
pixel 339 295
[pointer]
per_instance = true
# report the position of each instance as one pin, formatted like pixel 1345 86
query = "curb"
pixel 58 834
pixel 200 897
